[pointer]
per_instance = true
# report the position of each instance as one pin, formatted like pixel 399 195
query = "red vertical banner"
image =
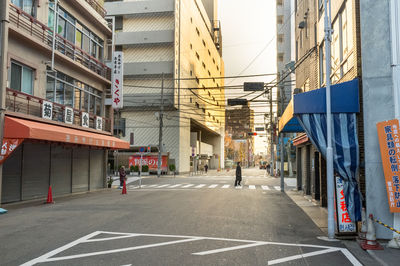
pixel 389 142
pixel 9 145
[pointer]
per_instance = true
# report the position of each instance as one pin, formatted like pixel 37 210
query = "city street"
pixel 168 222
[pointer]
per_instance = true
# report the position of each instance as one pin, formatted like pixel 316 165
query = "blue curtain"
pixel 345 152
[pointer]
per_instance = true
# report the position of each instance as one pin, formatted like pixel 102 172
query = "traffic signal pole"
pixel 272 131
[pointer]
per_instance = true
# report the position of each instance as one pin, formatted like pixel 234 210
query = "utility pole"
pixel 282 98
pixel 160 135
pixel 329 150
pixel 4 9
pixel 272 131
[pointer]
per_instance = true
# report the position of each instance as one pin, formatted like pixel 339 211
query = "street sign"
pixel 232 102
pixel 253 86
pixel 141 149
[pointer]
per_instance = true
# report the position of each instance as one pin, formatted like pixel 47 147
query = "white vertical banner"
pixel 117 80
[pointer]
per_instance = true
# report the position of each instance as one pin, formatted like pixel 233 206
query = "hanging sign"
pixel 85 119
pixel 117 80
pixel 389 142
pixel 9 145
pixel 344 223
pixel 47 110
pixel 69 115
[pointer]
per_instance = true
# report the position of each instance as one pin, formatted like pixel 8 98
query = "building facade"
pixel 173 48
pixel 57 128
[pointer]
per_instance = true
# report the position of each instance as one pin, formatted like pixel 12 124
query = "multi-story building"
pixel 173 48
pixel 57 129
pixel 239 122
pixel 310 70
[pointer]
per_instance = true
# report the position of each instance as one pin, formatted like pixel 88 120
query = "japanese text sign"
pixel 99 123
pixel 117 80
pixel 150 160
pixel 9 145
pixel 47 110
pixel 85 119
pixel 345 225
pixel 389 142
pixel 69 115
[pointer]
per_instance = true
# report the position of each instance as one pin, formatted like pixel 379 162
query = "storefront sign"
pixel 150 160
pixel 389 142
pixel 85 119
pixel 99 123
pixel 345 225
pixel 47 110
pixel 9 145
pixel 69 115
pixel 117 80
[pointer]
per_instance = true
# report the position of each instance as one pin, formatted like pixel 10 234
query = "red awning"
pixel 16 128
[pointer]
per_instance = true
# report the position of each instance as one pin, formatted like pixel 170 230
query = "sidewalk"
pixel 319 215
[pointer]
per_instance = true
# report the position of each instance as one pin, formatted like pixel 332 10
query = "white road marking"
pixel 305 255
pixel 177 185
pixel 277 188
pixel 265 187
pixel 153 185
pixel 127 265
pixel 225 186
pixel 186 186
pixel 200 186
pixel 228 249
pixel 213 186
pixel 252 187
pixel 166 185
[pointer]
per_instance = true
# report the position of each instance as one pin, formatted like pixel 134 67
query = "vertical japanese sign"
pixel 345 225
pixel 9 145
pixel 99 123
pixel 389 142
pixel 117 80
pixel 69 115
pixel 47 110
pixel 85 119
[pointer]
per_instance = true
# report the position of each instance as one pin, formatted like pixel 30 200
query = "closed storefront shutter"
pixel 96 169
pixel 11 187
pixel 80 169
pixel 35 170
pixel 61 169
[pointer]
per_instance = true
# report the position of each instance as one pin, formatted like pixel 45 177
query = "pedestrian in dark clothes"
pixel 206 168
pixel 238 176
pixel 122 176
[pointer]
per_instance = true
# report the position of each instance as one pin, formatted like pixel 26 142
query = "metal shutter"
pixel 80 169
pixel 35 170
pixel 61 169
pixel 96 169
pixel 11 187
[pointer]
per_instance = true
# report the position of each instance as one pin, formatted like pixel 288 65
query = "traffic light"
pixel 252 133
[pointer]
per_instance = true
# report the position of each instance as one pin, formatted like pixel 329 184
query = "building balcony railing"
pixel 96 6
pixel 23 103
pixel 44 34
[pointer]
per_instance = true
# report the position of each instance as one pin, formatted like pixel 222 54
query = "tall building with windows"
pixel 57 129
pixel 172 48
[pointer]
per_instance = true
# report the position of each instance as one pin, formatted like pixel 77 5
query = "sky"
pixel 249 47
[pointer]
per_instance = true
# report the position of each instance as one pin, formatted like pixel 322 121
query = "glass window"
pixel 77 99
pixel 61 26
pixel 86 43
pixel 50 89
pixel 26 5
pixel 60 92
pixel 91 104
pixel 98 106
pixel 85 102
pixel 69 95
pixel 70 32
pixel 21 78
pixel 78 40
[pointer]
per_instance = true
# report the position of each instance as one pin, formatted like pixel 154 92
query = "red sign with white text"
pixel 150 160
pixel 9 145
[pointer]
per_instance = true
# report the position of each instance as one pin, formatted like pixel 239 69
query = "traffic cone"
pixel 370 242
pixel 124 188
pixel 49 196
pixel 363 232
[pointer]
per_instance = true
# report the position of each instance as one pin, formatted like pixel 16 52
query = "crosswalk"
pixel 203 186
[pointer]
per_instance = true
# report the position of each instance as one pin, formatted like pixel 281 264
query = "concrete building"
pixel 181 41
pixel 57 129
pixel 239 122
pixel 379 23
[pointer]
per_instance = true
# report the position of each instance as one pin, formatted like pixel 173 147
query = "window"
pixel 21 78
pixel 279 2
pixel 279 19
pixel 280 38
pixel 29 6
pixel 280 57
pixel 65 90
pixel 322 66
pixel 197 31
pixel 197 55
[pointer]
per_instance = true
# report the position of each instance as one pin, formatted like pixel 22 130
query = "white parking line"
pixel 265 187
pixel 153 185
pixel 277 188
pixel 200 186
pixel 177 185
pixel 213 186
pixel 225 186
pixel 186 186
pixel 166 185
pixel 252 187
pixel 305 255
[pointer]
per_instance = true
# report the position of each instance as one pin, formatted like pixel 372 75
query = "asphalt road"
pixel 168 222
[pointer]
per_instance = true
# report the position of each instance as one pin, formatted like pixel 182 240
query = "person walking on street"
pixel 122 176
pixel 238 176
pixel 206 168
pixel 268 168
